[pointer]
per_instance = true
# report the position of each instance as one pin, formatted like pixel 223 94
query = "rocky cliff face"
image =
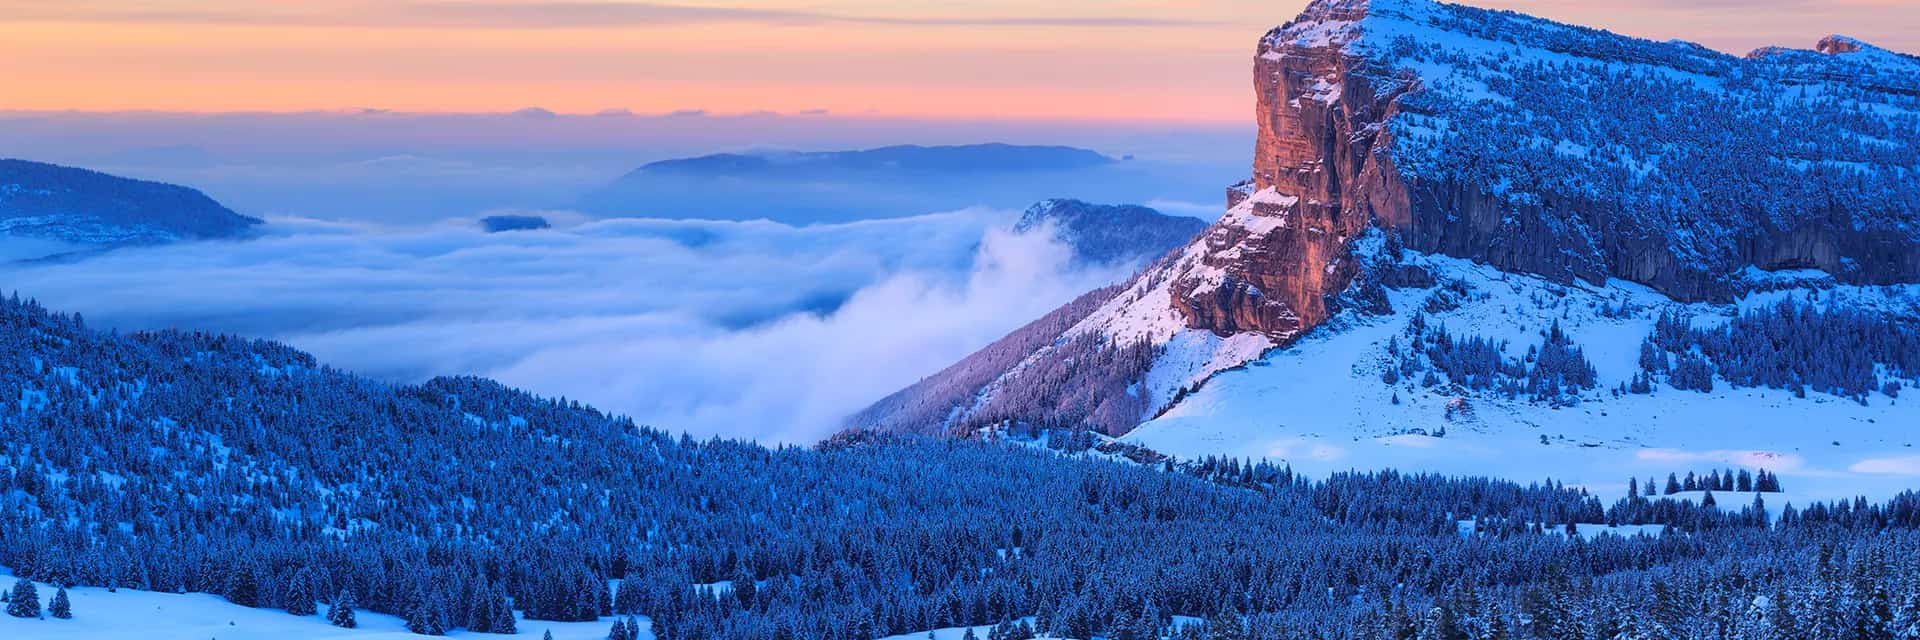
pixel 1559 151
pixel 1563 152
pixel 1320 151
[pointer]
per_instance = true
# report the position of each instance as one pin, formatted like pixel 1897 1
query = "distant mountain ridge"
pixel 84 207
pixel 984 158
pixel 807 187
pixel 1110 234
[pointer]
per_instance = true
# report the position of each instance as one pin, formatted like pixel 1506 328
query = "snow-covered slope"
pixel 100 614
pixel 1323 404
pixel 1107 360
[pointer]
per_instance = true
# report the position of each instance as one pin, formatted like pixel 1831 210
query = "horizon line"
pixel 536 114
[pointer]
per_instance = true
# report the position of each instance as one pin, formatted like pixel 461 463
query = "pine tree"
pixel 60 607
pixel 1496 624
pixel 243 588
pixel 1226 625
pixel 743 585
pixel 1875 619
pixel 341 613
pixel 592 601
pixel 626 596
pixel 1145 628
pixel 298 600
pixel 428 617
pixel 1767 482
pixel 1781 617
pixel 1634 625
pixel 24 600
pixel 480 614
pixel 503 621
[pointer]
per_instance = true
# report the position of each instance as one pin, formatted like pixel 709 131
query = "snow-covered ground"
pixel 980 632
pixel 146 615
pixel 1587 532
pixel 949 633
pixel 1321 406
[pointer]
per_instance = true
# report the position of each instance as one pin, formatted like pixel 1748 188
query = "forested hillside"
pixel 192 462
pixel 39 200
pixel 1105 234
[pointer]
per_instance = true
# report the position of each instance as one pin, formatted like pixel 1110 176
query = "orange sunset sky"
pixel 1017 59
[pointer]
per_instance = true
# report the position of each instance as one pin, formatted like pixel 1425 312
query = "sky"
pixel 1080 60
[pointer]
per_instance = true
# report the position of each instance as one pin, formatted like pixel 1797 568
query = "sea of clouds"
pixel 740 329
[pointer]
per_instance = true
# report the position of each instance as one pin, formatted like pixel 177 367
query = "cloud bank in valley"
pixel 747 329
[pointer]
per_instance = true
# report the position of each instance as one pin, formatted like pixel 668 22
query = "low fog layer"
pixel 752 329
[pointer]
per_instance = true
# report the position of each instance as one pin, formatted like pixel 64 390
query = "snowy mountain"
pixel 1580 154
pixel 1103 234
pixel 1425 164
pixel 81 207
